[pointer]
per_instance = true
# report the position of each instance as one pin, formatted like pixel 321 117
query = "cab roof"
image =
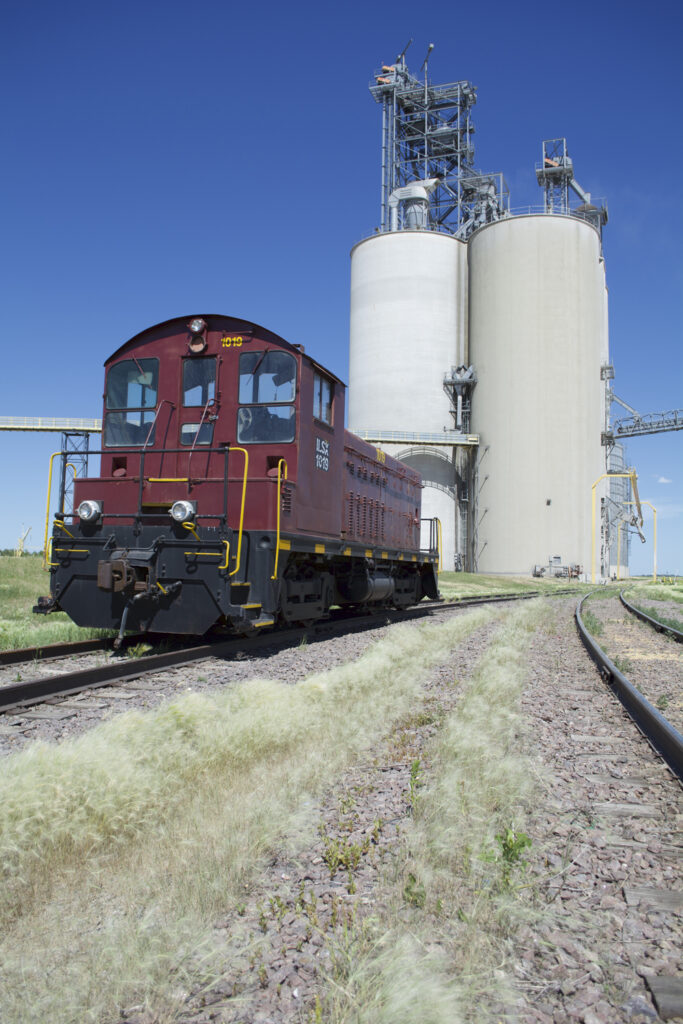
pixel 218 321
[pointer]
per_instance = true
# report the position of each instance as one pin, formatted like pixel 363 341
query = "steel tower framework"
pixel 426 135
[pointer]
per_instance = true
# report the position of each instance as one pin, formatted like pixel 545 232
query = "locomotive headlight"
pixel 197 325
pixel 89 511
pixel 183 511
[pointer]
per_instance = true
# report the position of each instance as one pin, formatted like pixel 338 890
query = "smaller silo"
pixel 408 328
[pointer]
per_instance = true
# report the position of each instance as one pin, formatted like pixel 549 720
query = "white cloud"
pixel 663 480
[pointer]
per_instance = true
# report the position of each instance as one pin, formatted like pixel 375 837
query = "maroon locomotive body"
pixel 230 492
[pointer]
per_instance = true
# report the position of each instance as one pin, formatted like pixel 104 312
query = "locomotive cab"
pixel 223 490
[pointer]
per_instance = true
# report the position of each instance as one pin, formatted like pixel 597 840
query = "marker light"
pixel 183 511
pixel 90 511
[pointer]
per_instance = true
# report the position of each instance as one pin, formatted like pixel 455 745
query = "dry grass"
pixel 120 848
pixel 438 958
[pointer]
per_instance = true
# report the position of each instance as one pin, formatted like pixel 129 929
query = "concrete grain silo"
pixel 537 323
pixel 408 327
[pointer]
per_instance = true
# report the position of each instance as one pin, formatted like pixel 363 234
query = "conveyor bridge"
pixel 450 438
pixel 58 424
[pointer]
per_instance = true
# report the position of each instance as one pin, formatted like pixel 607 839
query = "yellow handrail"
pixel 48 553
pixel 238 558
pixel 212 554
pixel 46 560
pixel 227 556
pixel 60 526
pixel 281 463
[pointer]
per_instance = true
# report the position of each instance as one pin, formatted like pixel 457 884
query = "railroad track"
pixel 661 734
pixel 24 693
pixel 661 627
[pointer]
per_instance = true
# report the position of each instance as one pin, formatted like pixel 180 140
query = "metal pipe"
pixel 238 557
pixel 282 464
pixel 654 516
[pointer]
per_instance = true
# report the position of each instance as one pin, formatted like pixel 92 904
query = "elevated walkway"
pixel 446 437
pixel 50 423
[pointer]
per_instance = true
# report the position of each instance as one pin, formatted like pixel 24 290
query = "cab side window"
pixel 323 391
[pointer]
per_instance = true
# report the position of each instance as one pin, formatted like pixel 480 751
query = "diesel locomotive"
pixel 230 494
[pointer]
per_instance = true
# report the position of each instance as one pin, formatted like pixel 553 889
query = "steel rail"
pixel 666 740
pixel 65 648
pixel 675 634
pixel 33 691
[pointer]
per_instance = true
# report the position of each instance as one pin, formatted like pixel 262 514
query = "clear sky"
pixel 175 158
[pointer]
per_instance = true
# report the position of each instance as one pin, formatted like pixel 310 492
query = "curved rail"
pixel 675 634
pixel 33 691
pixel 661 734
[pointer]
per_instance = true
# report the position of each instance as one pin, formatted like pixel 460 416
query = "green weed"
pixel 623 664
pixel 415 780
pixel 414 891
pixel 338 854
pixel 138 650
pixel 512 844
pixel 591 622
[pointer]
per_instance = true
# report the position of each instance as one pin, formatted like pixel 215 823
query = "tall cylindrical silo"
pixel 408 328
pixel 537 341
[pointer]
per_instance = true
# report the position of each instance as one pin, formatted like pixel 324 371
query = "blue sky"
pixel 164 159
